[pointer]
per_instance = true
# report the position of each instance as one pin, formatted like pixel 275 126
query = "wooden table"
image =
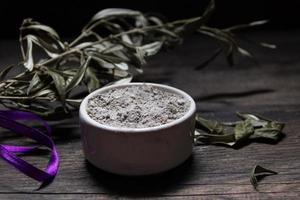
pixel 271 88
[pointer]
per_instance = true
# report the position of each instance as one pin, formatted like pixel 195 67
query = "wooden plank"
pixel 242 196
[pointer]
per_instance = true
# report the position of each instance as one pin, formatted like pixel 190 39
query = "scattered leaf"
pixel 259 172
pixel 232 133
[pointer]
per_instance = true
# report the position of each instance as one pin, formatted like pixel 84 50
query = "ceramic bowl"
pixel 137 151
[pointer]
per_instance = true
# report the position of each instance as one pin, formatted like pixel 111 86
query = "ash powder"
pixel 137 107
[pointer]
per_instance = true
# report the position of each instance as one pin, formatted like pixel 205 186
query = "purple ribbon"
pixel 8 120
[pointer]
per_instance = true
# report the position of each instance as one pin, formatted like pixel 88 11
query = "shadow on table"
pixel 138 186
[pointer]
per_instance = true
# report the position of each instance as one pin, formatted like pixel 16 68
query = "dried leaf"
pixel 150 49
pixel 232 133
pixel 28 62
pixel 243 26
pixel 60 84
pixel 117 53
pixel 208 11
pixel 79 76
pixel 114 13
pixel 267 45
pixel 227 139
pixel 33 83
pixel 243 130
pixel 49 48
pixel 259 171
pixel 40 27
pixel 93 82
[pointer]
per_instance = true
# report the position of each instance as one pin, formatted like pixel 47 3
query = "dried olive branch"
pixel 111 49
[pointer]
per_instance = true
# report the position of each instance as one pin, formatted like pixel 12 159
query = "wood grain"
pixel 213 172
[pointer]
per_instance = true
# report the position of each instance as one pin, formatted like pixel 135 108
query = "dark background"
pixel 67 17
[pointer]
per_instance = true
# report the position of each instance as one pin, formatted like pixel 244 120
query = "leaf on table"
pixel 257 173
pixel 243 130
pixel 210 125
pixel 227 139
pixel 232 133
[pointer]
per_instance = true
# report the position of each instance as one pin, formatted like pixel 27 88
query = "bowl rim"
pixel 83 111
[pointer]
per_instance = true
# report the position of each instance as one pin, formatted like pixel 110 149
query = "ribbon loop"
pixel 8 120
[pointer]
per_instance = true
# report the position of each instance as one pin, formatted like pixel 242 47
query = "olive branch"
pixel 111 49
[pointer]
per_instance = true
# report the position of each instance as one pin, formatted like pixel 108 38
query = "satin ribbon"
pixel 9 120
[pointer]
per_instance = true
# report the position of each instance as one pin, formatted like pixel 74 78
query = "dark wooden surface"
pixel 271 88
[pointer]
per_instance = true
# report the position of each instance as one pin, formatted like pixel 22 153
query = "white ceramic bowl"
pixel 137 151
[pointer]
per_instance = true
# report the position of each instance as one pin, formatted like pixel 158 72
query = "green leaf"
pixel 259 171
pixel 28 62
pixel 114 12
pixel 119 46
pixel 102 62
pixel 111 13
pixel 140 56
pixel 227 139
pixel 92 80
pixel 51 49
pixel 44 92
pixel 150 49
pixel 42 35
pixel 244 52
pixel 33 83
pixel 74 102
pixel 243 130
pixel 210 125
pixel 231 133
pixel 59 82
pixel 40 27
pixel 208 11
pixel 267 45
pixel 79 76
pixel 244 26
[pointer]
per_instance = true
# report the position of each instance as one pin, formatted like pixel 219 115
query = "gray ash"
pixel 137 107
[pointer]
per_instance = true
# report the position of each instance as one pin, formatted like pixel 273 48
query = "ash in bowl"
pixel 139 106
